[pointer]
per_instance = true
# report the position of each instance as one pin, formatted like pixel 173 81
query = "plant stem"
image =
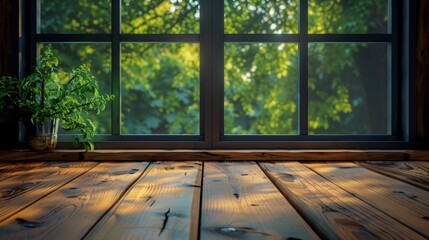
pixel 70 110
pixel 74 90
pixel 71 79
pixel 42 99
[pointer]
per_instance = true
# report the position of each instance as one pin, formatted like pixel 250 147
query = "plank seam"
pixel 121 196
pixel 201 201
pixel 297 209
pixel 368 203
pixel 17 162
pixel 54 190
pixel 391 175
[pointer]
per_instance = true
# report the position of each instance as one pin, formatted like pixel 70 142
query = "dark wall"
pixel 6 50
pixel 423 75
pixel 9 61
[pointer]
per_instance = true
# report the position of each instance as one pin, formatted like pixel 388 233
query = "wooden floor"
pixel 214 200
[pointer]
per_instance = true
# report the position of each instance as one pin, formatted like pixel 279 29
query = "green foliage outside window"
pixel 347 82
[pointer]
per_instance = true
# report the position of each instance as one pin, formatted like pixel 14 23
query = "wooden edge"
pixel 413 180
pixel 419 156
pixel 197 204
pixel 217 155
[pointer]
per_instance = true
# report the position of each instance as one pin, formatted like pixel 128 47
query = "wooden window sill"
pixel 216 155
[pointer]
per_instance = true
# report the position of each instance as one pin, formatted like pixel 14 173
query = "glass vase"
pixel 46 135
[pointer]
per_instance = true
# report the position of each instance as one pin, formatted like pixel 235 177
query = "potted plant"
pixel 47 97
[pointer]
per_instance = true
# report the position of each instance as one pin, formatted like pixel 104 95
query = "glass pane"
pixel 164 16
pixel 347 16
pixel 348 88
pixel 260 16
pixel 97 57
pixel 261 88
pixel 160 88
pixel 70 16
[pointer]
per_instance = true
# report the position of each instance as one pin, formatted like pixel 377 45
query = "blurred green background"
pixel 347 82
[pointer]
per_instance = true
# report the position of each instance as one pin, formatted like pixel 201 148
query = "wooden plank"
pixel 246 155
pixel 333 213
pixel 216 155
pixel 416 156
pixel 10 169
pixel 163 204
pixel 20 191
pixel 422 164
pixel 240 202
pixel 404 171
pixel 71 211
pixel 404 202
pixel 26 155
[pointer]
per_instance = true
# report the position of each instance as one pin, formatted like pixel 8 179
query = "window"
pixel 236 73
pixel 147 53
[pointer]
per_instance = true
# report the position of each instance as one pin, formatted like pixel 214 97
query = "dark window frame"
pixel 402 26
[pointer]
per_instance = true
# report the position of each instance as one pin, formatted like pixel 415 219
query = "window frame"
pixel 402 26
pixel 303 140
pixel 115 38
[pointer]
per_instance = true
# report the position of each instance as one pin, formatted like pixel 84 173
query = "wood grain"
pixel 163 204
pixel 10 169
pixel 333 213
pixel 26 155
pixel 71 211
pixel 404 202
pixel 246 155
pixel 417 155
pixel 20 191
pixel 240 202
pixel 422 164
pixel 405 171
pixel 216 155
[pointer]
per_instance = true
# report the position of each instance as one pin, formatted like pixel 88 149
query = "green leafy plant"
pixel 9 93
pixel 49 94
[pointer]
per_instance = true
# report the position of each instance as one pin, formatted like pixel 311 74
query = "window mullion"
pixel 303 67
pixel 393 93
pixel 34 25
pixel 206 77
pixel 116 68
pixel 217 72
